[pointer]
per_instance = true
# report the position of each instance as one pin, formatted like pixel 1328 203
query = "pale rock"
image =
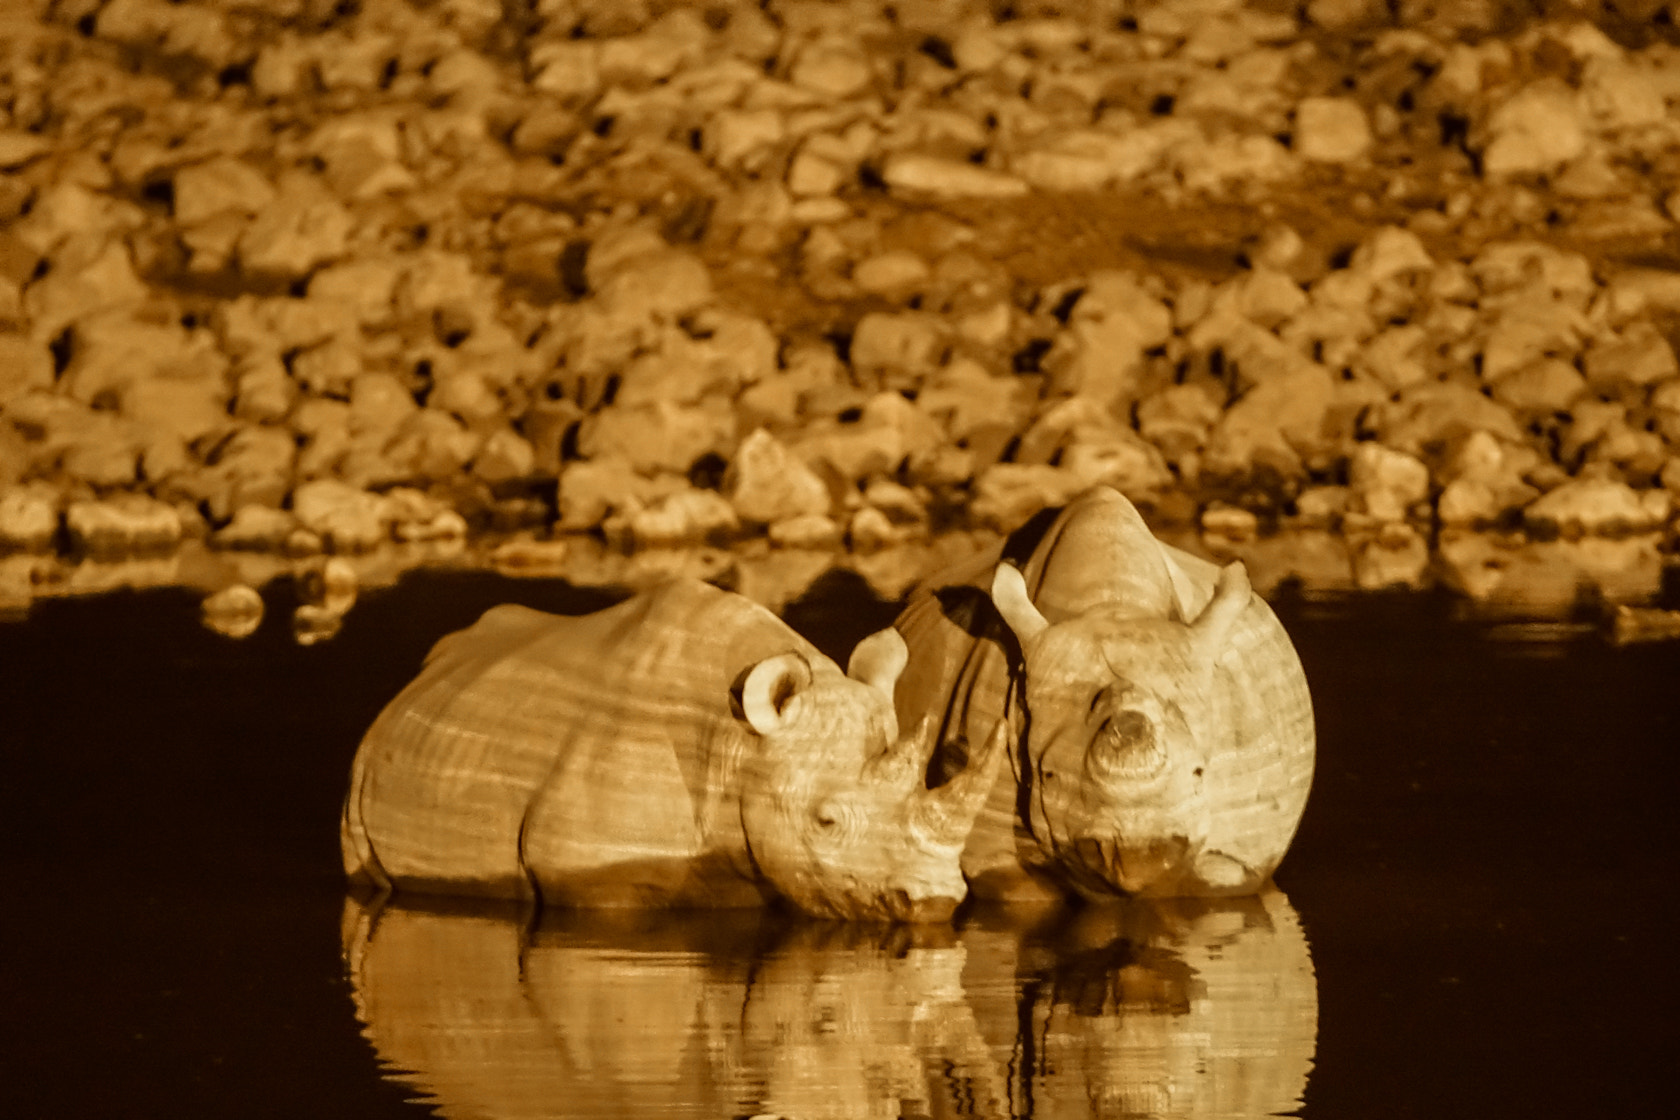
pixel 1265 296
pixel 328 369
pixel 1390 252
pixel 1543 387
pixel 1091 159
pixel 813 172
pixel 115 350
pixel 688 516
pixel 889 431
pixel 263 390
pixel 1522 333
pixel 347 519
pixel 659 286
pixel 567 68
pixel 104 454
pixel 362 155
pixel 1178 418
pixel 189 410
pixel 891 274
pixel 504 456
pixel 1331 130
pixel 1396 555
pixel 659 435
pixel 1638 355
pixel 1006 495
pixel 1636 290
pixel 1395 356
pixel 1229 523
pixel 25 364
pixel 219 186
pixel 1321 506
pixel 304 227
pixel 1384 484
pixel 1214 165
pixel 379 403
pixel 1536 130
pixel 18 148
pixel 834 68
pixel 743 138
pixel 1345 15
pixel 1432 414
pixel 123 523
pixel 417 516
pixel 234 612
pixel 1622 94
pixel 589 490
pixel 1597 507
pixel 28 518
pixel 938 177
pixel 1521 270
pixel 1475 502
pixel 1276 428
pixel 807 531
pixel 1101 352
pixel 766 483
pixel 466 396
pixel 890 344
pixel 1120 459
pixel 82 281
pixel 198 30
pixel 872 529
pixel 966 398
pixel 256 528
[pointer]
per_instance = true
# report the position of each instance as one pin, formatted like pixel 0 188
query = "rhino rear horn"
pixel 1231 596
pixel 770 687
pixel 1009 595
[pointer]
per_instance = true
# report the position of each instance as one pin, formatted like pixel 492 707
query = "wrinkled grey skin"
pixel 683 748
pixel 1162 737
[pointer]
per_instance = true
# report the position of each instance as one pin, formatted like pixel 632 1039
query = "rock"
pixel 888 432
pixel 1331 130
pixel 417 516
pixel 223 185
pixel 592 489
pixel 330 583
pixel 305 227
pixel 911 174
pixel 966 398
pixel 1597 507
pixel 660 286
pixel 1383 484
pixel 743 139
pixel 688 516
pixel 811 530
pixel 1432 414
pixel 1395 556
pixel 28 518
pixel 25 364
pixel 1639 355
pixel 253 466
pixel 1321 506
pixel 1395 357
pixel 1544 387
pixel 834 68
pixel 256 528
pixel 1536 130
pixel 1229 523
pixel 1114 321
pixel 1274 429
pixel 766 483
pixel 659 435
pixel 1178 418
pixel 1007 494
pixel 873 529
pixel 18 148
pixel 84 279
pixel 894 347
pixel 346 519
pixel 504 456
pixel 124 523
pixel 234 612
pixel 892 274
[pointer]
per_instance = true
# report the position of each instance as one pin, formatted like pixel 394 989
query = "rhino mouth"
pixel 1129 868
pixel 893 906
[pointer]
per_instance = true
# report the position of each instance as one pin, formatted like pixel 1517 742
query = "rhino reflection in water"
pixel 1165 1008
pixel 683 748
pixel 1163 734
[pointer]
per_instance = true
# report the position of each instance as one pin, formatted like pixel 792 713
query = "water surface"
pixel 1477 917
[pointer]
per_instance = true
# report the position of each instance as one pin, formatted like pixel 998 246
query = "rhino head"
pixel 1117 702
pixel 836 808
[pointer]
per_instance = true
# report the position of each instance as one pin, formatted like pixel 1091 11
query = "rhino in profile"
pixel 682 748
pixel 1161 730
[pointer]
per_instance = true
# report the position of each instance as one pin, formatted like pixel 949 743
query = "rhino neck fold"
pixel 1099 553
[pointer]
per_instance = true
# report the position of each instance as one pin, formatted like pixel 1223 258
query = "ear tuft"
pixel 770 688
pixel 879 660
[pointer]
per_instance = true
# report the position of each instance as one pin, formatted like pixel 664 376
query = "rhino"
pixel 1161 731
pixel 682 748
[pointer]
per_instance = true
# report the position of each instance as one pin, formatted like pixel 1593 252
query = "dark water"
pixel 1477 919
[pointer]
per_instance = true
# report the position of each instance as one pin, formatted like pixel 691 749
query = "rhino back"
pixel 533 746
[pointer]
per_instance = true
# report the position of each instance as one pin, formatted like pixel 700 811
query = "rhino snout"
pixel 1135 868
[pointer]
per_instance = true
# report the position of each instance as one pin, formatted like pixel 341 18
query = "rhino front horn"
pixel 945 816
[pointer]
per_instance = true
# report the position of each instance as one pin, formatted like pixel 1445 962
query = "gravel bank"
pixel 285 279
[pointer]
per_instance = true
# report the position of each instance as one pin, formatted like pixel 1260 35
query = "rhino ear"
pixel 1230 598
pixel 879 660
pixel 770 688
pixel 1009 595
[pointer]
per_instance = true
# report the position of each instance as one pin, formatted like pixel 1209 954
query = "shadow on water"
pixel 1484 876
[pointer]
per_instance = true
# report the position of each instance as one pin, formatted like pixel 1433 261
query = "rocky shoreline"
pixel 283 280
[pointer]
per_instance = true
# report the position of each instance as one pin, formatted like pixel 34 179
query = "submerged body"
pixel 1161 730
pixel 682 748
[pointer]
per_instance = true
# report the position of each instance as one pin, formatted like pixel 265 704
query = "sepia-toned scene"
pixel 794 559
